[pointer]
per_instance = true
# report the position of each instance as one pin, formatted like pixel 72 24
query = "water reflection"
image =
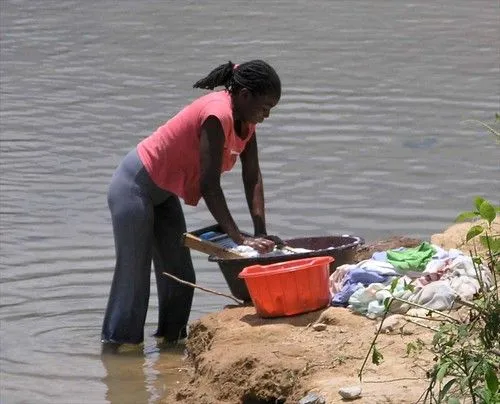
pixel 139 376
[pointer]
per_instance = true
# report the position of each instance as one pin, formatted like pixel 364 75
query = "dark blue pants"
pixel 148 223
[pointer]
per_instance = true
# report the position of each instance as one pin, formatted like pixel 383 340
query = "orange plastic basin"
pixel 288 288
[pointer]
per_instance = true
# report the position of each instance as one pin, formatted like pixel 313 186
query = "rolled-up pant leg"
pixel 169 255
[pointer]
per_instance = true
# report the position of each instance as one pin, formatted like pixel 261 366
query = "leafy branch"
pixel 467 353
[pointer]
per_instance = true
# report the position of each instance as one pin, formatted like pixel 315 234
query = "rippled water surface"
pixel 368 139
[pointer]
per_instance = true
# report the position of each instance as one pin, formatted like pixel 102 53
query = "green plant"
pixel 466 353
pixel 490 128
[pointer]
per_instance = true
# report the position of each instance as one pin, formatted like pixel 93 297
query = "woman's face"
pixel 253 108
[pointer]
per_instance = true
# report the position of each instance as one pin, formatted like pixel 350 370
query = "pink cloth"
pixel 338 277
pixel 171 155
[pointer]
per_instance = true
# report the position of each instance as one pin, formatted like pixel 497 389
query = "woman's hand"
pixel 278 242
pixel 259 244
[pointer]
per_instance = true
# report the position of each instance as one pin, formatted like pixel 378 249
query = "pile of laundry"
pixel 436 278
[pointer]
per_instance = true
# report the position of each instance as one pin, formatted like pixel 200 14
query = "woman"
pixel 184 158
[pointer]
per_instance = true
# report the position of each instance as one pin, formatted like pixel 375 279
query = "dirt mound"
pixel 238 357
pixel 455 237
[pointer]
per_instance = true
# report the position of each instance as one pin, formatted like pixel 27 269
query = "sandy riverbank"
pixel 237 357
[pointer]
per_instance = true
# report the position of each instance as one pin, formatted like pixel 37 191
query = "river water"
pixel 369 139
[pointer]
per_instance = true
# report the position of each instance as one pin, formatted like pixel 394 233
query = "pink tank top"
pixel 171 155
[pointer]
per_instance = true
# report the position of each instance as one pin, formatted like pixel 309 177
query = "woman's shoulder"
pixel 222 98
pixel 217 103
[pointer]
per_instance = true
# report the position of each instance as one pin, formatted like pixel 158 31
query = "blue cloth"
pixel 209 235
pixel 355 279
pixel 359 275
pixel 341 298
pixel 380 256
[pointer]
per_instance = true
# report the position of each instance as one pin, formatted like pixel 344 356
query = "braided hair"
pixel 256 75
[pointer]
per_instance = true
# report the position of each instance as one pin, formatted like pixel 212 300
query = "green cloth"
pixel 412 259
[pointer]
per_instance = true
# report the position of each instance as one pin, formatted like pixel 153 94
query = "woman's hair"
pixel 256 75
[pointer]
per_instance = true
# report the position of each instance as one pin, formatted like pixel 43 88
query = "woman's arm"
pixel 211 149
pixel 254 188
